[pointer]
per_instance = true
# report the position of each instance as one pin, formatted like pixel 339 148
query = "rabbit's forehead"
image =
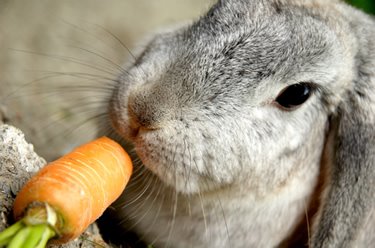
pixel 237 58
pixel 245 56
pixel 265 47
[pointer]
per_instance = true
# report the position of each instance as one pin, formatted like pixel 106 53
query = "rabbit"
pixel 253 126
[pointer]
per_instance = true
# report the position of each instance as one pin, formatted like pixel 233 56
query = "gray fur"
pixel 227 167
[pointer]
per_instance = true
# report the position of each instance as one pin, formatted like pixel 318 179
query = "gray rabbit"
pixel 253 126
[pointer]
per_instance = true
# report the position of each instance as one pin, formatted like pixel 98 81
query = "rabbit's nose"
pixel 147 109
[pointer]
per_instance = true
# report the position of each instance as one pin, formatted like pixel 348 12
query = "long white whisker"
pixel 144 200
pixel 140 194
pixel 90 77
pixel 172 223
pixel 111 62
pixel 68 59
pixel 161 202
pixel 225 221
pixel 123 46
pixel 307 224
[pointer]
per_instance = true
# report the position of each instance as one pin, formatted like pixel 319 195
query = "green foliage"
pixel 366 5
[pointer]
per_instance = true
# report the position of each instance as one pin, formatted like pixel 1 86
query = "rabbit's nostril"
pixel 144 112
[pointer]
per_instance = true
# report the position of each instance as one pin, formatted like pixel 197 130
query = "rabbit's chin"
pixel 188 184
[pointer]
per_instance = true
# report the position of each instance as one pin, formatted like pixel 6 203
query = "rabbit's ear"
pixel 351 192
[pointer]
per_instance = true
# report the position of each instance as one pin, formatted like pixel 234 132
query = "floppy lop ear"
pixel 349 202
pixel 350 197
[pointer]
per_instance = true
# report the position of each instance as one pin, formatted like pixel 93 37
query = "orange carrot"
pixel 78 187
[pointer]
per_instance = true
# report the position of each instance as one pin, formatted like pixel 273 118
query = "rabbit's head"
pixel 241 96
pixel 244 96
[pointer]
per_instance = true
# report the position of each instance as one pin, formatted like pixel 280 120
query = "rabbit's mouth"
pixel 169 156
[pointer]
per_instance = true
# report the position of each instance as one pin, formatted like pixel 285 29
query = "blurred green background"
pixel 366 5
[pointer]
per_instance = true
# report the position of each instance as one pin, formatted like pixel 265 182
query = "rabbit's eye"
pixel 294 95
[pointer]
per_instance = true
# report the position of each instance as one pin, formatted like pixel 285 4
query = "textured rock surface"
pixel 18 162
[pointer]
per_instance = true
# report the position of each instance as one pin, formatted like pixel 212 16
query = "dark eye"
pixel 294 95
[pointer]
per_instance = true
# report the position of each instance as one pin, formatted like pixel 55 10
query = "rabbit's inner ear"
pixel 294 95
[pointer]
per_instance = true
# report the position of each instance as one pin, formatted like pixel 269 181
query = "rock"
pixel 18 162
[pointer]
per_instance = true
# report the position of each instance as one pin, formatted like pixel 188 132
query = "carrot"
pixel 69 194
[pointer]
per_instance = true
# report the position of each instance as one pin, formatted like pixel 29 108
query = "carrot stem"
pixel 8 233
pixel 35 236
pixel 34 230
pixel 21 235
pixel 47 234
pixel 19 238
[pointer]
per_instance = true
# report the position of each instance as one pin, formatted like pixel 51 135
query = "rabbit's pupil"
pixel 294 95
